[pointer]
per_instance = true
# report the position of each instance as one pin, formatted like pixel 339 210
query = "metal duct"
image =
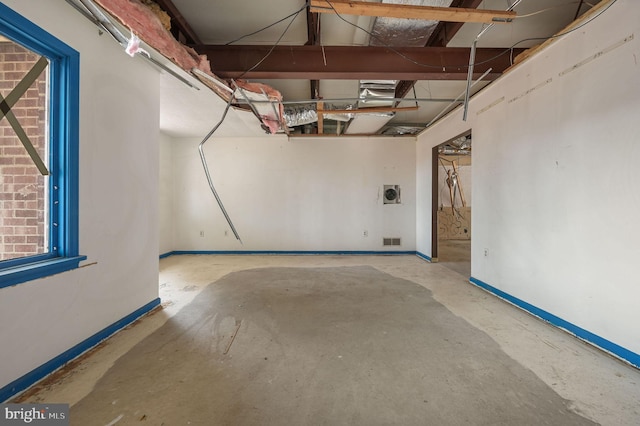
pixel 300 115
pixel 376 97
pixel 391 32
pixel 463 142
pixel 373 93
pixel 402 130
pixel 339 117
pixel 454 151
pixel 460 146
pixel 405 32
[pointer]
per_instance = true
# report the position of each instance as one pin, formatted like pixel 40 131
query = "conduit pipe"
pixel 444 111
pixel 351 100
pixel 472 59
pixel 206 169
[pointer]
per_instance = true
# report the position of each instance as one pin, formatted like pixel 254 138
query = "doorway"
pixel 451 204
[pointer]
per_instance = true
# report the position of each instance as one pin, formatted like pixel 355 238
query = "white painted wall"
pixel 119 115
pixel 555 178
pixel 303 194
pixel 165 199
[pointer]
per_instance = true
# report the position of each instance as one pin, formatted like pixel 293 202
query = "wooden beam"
pixel 365 110
pixel 353 62
pixel 407 11
pixel 440 37
pixel 320 118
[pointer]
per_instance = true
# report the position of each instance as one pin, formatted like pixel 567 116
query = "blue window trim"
pixel 64 109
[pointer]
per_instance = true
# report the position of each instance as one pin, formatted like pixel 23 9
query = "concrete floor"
pixel 455 255
pixel 339 340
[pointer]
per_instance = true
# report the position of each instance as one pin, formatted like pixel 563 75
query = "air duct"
pixel 373 93
pixel 405 32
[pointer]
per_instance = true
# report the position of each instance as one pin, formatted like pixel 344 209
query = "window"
pixel 39 91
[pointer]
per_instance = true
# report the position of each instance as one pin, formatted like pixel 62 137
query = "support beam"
pixel 352 62
pixel 313 28
pixel 315 89
pixel 407 11
pixel 313 39
pixel 440 37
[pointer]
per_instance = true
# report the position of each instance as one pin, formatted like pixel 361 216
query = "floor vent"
pixel 391 241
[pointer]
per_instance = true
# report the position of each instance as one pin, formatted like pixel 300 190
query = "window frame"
pixel 64 111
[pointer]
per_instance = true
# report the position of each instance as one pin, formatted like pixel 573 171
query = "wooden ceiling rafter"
pixel 408 11
pixel 440 37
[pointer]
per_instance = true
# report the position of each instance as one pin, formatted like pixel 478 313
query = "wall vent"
pixel 391 194
pixel 391 242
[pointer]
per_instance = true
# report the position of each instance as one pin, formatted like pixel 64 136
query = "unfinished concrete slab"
pixel 350 345
pixel 347 340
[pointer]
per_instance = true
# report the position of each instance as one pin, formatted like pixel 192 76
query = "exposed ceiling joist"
pixel 313 39
pixel 440 37
pixel 407 11
pixel 352 62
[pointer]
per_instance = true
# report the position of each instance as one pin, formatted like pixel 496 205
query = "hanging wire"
pixel 505 51
pixel 257 64
pixel 269 26
pixel 538 12
pixel 513 46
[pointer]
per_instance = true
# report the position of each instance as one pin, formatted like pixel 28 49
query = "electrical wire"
pixel 257 64
pixel 550 8
pixel 510 49
pixel 269 26
pixel 505 51
pixel 381 41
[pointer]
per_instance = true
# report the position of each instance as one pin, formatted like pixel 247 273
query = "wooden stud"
pixel 406 11
pixel 320 118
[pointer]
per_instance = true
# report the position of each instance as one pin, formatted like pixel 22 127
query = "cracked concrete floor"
pixel 476 360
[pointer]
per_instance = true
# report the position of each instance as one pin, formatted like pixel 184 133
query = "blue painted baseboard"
pixel 49 367
pixel 423 256
pixel 289 253
pixel 604 344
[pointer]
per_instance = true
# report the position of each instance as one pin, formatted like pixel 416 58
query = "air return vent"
pixel 391 242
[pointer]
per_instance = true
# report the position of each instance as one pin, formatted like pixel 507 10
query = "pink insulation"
pixel 266 111
pixel 147 26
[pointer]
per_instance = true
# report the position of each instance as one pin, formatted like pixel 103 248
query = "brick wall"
pixel 23 195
